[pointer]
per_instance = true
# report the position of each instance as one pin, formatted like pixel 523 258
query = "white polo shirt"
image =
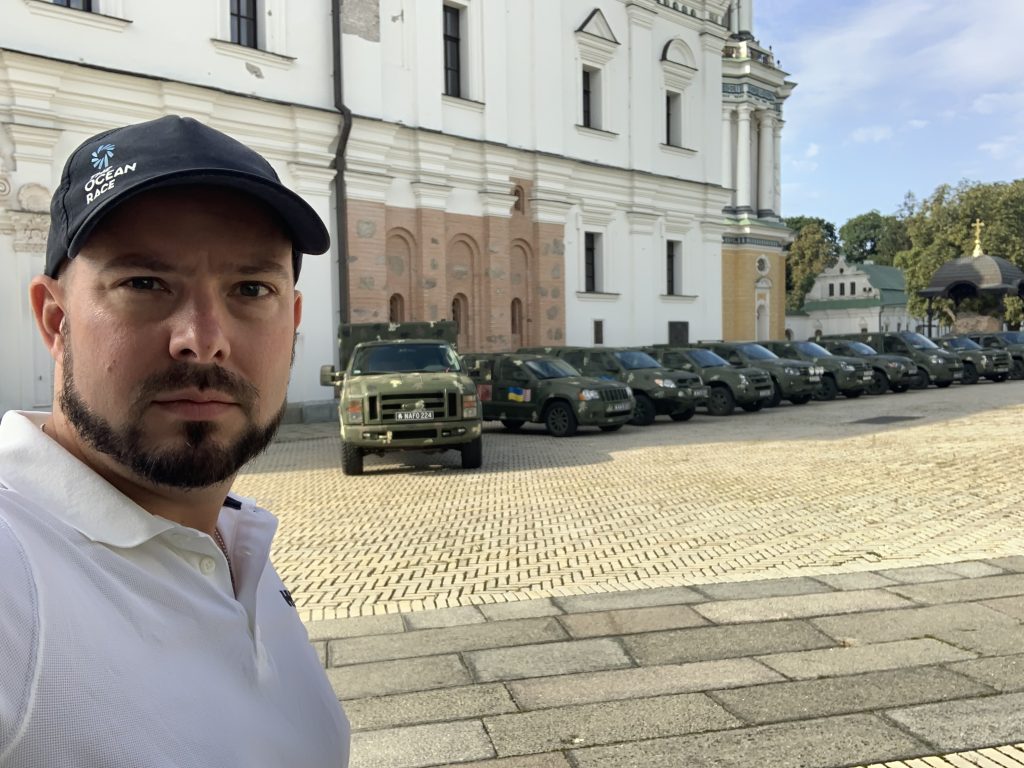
pixel 122 643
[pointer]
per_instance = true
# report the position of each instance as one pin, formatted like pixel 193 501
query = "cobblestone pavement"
pixel 919 478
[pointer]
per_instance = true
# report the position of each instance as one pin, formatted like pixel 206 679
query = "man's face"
pixel 178 335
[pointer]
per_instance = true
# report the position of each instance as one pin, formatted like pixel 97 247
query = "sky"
pixel 894 96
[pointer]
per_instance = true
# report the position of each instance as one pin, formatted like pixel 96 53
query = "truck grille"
pixel 614 395
pixel 385 407
pixel 760 380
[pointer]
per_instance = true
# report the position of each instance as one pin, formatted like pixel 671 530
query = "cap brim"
pixel 305 227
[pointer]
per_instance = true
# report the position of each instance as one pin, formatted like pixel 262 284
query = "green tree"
pixel 814 248
pixel 873 236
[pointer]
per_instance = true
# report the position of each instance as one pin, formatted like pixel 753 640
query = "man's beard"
pixel 202 460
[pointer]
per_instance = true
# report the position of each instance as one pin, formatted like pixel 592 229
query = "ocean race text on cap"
pixel 103 180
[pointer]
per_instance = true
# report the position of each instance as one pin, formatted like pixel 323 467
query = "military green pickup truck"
pixel 516 388
pixel 934 365
pixel 403 388
pixel 657 390
pixel 793 380
pixel 1010 341
pixel 749 388
pixel 848 376
pixel 979 363
pixel 889 372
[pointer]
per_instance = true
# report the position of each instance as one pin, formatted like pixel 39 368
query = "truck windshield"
pixel 550 369
pixel 1012 337
pixel 917 341
pixel 405 358
pixel 757 352
pixel 705 358
pixel 810 348
pixel 860 348
pixel 633 360
pixel 963 343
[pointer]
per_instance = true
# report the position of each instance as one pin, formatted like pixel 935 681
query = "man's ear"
pixel 298 309
pixel 47 299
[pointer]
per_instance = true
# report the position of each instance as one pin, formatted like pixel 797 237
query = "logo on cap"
pixel 101 157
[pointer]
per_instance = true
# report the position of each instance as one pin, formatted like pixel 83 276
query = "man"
pixel 141 623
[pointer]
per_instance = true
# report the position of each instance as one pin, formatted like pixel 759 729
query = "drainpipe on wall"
pixel 341 207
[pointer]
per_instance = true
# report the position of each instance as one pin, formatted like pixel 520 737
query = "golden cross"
pixel 976 226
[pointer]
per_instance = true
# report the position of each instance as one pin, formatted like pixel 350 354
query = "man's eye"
pixel 143 283
pixel 253 290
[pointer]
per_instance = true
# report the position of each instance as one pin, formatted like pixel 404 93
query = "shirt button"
pixel 207 565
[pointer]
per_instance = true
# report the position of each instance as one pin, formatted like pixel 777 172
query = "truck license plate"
pixel 414 415
pixel 868 376
pixel 623 406
pixel 763 393
pixel 815 378
pixel 958 375
pixel 700 392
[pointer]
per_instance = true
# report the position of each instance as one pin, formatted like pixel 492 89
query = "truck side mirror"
pixel 328 376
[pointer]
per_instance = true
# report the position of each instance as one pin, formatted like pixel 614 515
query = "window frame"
pixel 236 19
pixel 674 267
pixel 454 47
pixel 85 6
pixel 592 257
pixel 673 118
pixel 591 110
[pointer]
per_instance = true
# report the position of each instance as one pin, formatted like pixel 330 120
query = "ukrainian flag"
pixel 518 394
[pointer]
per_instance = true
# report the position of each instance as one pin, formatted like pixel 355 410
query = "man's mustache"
pixel 202 377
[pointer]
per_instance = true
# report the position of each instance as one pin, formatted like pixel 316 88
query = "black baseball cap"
pixel 115 165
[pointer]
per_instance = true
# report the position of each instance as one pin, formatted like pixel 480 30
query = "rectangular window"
pixel 673 267
pixel 831 289
pixel 591 97
pixel 243 23
pixel 673 119
pixel 842 289
pixel 78 5
pixel 853 289
pixel 678 332
pixel 599 331
pixel 453 51
pixel 592 262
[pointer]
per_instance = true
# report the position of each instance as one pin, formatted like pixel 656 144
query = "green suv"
pixel 979 363
pixel 793 380
pixel 848 376
pixel 889 372
pixel 1011 341
pixel 518 388
pixel 657 390
pixel 934 365
pixel 403 389
pixel 749 388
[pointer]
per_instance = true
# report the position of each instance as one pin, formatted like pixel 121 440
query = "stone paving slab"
pixel 741 590
pixel 1004 673
pixel 799 606
pixel 549 659
pixel 963 590
pixel 911 623
pixel 611 601
pixel 991 641
pixel 420 745
pixel 728 642
pixel 631 621
pixel 401 676
pixel 809 744
pixel 547 760
pixel 833 662
pixel 592 724
pixel 464 703
pixel 1011 606
pixel 845 695
pixel 854 581
pixel 636 683
pixel 966 723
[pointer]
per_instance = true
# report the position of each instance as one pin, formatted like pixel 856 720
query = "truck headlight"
pixel 986 361
pixel 794 371
pixel 846 367
pixel 665 383
pixel 589 394
pixel 743 380
pixel 469 406
pixel 354 412
pixel 629 391
pixel 936 360
pixel 892 364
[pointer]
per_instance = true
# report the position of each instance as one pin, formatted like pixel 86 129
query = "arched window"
pixel 396 308
pixel 457 313
pixel 517 317
pixel 520 204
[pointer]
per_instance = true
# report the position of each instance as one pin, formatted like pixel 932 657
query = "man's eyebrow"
pixel 268 267
pixel 142 261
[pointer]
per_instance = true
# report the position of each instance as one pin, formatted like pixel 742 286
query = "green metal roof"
pixel 884 278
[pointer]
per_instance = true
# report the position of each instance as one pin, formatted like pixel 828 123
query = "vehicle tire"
pixel 853 394
pixel 643 411
pixel 1000 378
pixel 879 383
pixel 921 380
pixel 351 459
pixel 970 374
pixel 683 415
pixel 560 420
pixel 800 399
pixel 512 425
pixel 720 401
pixel 753 407
pixel 942 384
pixel 827 388
pixel 1017 372
pixel 776 397
pixel 473 454
pixel 610 427
pixel 898 388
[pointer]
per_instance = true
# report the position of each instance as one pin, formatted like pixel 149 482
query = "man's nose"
pixel 199 333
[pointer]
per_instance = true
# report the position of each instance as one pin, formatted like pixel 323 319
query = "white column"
pixel 746 14
pixel 734 18
pixel 765 163
pixel 743 158
pixel 777 170
pixel 727 168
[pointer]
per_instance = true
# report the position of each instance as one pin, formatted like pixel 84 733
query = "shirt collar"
pixel 39 469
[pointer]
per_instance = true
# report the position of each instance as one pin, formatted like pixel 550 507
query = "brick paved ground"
pixel 809 490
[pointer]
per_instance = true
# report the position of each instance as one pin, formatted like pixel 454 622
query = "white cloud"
pixel 812 151
pixel 916 125
pixel 1002 147
pixel 872 133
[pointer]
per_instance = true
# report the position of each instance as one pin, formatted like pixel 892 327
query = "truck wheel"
pixel 1000 378
pixel 899 387
pixel 800 399
pixel 512 425
pixel 853 394
pixel 351 459
pixel 753 407
pixel 683 415
pixel 879 383
pixel 827 388
pixel 643 411
pixel 1017 372
pixel 473 454
pixel 921 380
pixel 970 374
pixel 776 397
pixel 720 401
pixel 610 427
pixel 560 420
pixel 942 384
